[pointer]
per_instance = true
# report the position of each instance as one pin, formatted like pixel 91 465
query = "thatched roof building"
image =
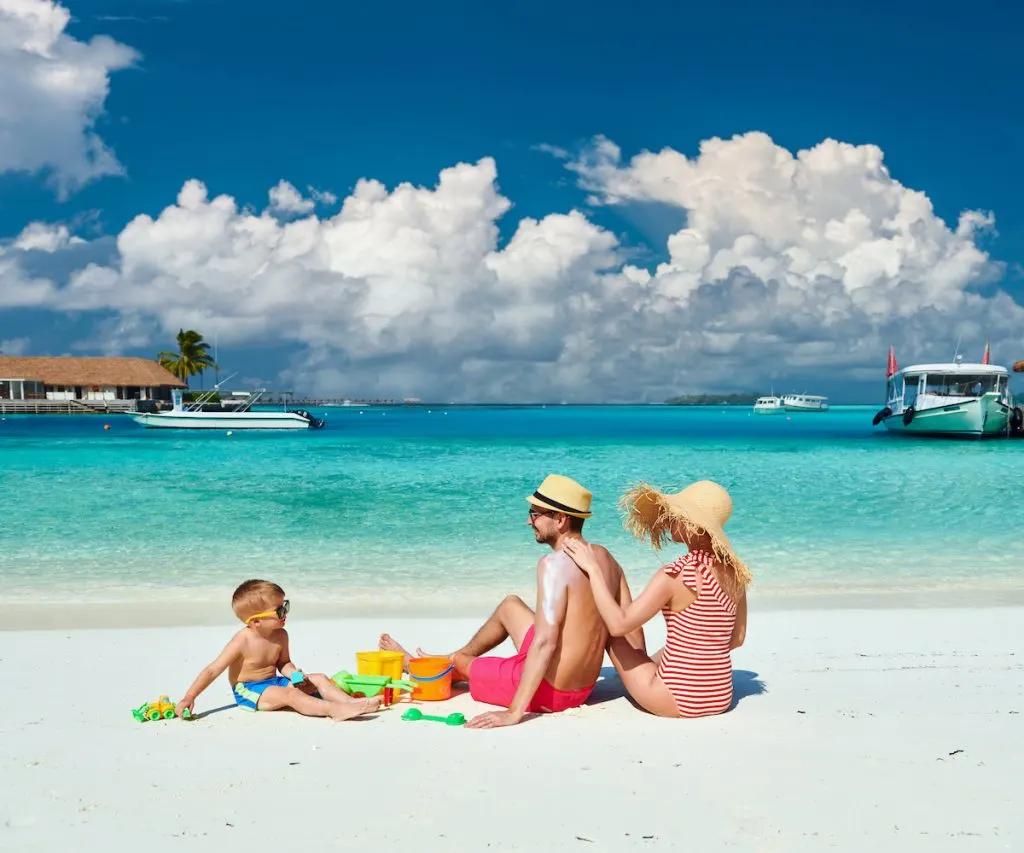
pixel 103 372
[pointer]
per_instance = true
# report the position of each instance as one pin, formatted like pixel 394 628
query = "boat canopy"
pixel 955 369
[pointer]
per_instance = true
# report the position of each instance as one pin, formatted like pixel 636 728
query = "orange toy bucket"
pixel 431 678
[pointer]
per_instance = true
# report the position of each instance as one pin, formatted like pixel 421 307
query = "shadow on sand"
pixel 609 686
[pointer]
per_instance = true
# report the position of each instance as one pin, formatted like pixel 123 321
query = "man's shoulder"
pixel 605 554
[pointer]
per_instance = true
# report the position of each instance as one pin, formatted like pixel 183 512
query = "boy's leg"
pixel 276 698
pixel 330 691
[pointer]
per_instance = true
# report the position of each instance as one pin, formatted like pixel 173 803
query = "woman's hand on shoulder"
pixel 583 554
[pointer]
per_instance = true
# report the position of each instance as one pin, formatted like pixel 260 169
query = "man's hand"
pixel 184 705
pixel 494 720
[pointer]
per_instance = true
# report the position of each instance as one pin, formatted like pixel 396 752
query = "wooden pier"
pixel 347 402
pixel 66 407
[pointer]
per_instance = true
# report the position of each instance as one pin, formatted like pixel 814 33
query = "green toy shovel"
pixel 455 719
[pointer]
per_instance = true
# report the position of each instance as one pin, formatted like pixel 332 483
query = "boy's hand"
pixel 184 706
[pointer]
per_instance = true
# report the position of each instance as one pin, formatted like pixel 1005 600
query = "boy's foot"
pixel 339 713
pixel 387 643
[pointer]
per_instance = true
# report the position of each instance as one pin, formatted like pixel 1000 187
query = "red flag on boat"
pixel 891 368
pixel 987 356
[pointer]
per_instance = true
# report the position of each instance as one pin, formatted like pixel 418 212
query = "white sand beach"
pixel 855 730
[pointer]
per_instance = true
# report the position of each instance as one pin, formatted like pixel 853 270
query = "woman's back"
pixel 696 665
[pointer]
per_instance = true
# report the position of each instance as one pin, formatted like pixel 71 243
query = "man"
pixel 560 648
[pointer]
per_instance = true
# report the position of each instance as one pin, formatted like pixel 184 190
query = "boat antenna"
pixel 957 351
pixel 226 378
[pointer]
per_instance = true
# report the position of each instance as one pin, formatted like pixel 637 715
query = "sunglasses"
pixel 280 612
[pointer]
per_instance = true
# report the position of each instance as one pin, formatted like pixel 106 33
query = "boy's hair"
pixel 252 596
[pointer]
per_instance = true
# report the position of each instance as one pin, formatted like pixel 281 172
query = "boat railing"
pixel 206 397
pixel 251 400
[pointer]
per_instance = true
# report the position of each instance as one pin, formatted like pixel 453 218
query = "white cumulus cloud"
pixel 15 346
pixel 285 199
pixel 790 268
pixel 52 90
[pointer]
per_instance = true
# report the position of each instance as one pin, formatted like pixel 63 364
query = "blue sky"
pixel 241 96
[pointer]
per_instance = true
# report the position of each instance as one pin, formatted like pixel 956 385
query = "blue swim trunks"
pixel 247 693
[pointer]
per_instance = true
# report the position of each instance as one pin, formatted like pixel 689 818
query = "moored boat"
pixel 770 405
pixel 957 398
pixel 193 415
pixel 805 403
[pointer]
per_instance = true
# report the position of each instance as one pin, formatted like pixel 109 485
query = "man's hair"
pixel 255 595
pixel 575 523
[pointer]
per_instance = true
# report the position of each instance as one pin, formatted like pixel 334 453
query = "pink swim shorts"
pixel 494 680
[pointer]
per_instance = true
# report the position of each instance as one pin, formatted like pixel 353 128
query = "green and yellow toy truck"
pixel 162 709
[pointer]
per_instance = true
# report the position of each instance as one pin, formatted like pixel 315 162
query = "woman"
pixel 702 594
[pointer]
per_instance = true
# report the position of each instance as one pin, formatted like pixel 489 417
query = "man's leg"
pixel 510 619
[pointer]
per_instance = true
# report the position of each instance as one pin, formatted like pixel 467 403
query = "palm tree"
pixel 192 357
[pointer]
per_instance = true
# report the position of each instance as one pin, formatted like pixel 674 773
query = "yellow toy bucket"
pixel 380 663
pixel 431 678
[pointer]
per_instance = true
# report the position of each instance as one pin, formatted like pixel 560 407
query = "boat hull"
pixel 221 420
pixel 979 418
pixel 797 407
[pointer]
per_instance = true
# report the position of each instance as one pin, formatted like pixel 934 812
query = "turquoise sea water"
pixel 423 509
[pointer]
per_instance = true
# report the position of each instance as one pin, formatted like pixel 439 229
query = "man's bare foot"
pixel 387 643
pixel 420 653
pixel 339 713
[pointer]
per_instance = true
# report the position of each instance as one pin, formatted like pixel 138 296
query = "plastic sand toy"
pixel 372 685
pixel 162 709
pixel 455 719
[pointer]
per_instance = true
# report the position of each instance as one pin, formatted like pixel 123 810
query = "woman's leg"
pixel 638 671
pixel 639 674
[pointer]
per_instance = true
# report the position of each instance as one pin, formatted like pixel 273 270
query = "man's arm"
pixel 210 673
pixel 552 602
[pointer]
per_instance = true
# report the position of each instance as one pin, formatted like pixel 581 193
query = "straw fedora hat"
pixel 703 507
pixel 562 494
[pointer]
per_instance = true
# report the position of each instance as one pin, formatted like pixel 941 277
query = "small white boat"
pixel 805 403
pixel 770 405
pixel 240 416
pixel 948 399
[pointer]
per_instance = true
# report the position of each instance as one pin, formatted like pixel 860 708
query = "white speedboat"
pixel 240 416
pixel 805 403
pixel 770 405
pixel 948 399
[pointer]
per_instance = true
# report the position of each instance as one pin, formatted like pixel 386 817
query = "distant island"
pixel 712 400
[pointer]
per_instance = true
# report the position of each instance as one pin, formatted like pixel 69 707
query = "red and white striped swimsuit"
pixel 696 665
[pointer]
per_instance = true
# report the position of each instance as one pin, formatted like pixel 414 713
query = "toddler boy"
pixel 259 651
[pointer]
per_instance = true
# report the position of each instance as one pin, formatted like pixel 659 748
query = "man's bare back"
pixel 580 652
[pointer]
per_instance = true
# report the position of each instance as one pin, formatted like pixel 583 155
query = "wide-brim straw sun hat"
pixel 702 507
pixel 562 494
